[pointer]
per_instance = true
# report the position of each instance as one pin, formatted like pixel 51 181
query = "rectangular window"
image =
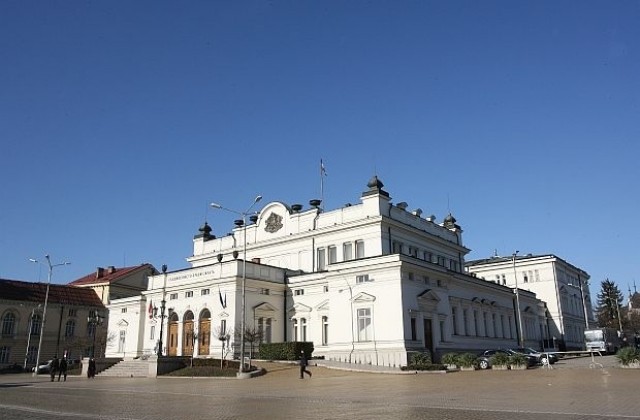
pixel 173 296
pixel 537 274
pixel 465 322
pixel 303 329
pixel 333 254
pixel 442 335
pixel 360 249
pixel 441 260
pixel 295 330
pixel 414 333
pixel 5 353
pixel 188 294
pixel 504 280
pixel 73 312
pixel 223 327
pixel 264 291
pixel 325 288
pixel 321 259
pixel 347 251
pixel 298 292
pixel 325 330
pixel 362 278
pixel 152 332
pixel 454 321
pixel 123 310
pixel 204 292
pixel 364 324
pixel 410 276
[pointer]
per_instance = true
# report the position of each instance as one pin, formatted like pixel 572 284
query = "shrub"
pixel 285 351
pixel 628 355
pixel 432 366
pixel 466 360
pixel 420 359
pixel 500 359
pixel 449 359
pixel 517 359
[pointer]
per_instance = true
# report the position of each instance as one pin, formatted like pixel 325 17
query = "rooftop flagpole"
pixel 323 173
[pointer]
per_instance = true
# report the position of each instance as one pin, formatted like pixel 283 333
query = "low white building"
pixel 562 286
pixel 366 283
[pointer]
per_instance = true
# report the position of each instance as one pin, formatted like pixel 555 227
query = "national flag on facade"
pixel 323 170
pixel 150 310
pixel 223 302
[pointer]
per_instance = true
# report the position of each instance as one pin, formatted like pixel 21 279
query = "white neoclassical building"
pixel 562 286
pixel 366 283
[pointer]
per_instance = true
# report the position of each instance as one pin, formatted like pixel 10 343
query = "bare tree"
pixel 222 335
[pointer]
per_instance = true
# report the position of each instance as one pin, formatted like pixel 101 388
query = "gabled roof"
pixel 35 292
pixel 111 274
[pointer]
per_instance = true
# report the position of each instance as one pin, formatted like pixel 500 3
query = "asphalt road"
pixel 570 391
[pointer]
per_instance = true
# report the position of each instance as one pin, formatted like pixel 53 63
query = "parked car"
pixel 44 368
pixel 541 357
pixel 484 359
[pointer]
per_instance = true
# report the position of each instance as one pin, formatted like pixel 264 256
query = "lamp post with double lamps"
pixel 163 304
pixel 94 319
pixel 515 275
pixel 244 215
pixel 44 309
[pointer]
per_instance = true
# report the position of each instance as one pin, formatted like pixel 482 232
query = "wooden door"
pixel 187 338
pixel 173 338
pixel 204 336
pixel 428 335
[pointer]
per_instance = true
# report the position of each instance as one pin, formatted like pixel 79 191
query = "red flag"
pixel 150 310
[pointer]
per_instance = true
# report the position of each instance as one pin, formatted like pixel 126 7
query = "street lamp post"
pixel 94 319
pixel 26 355
pixel 163 304
pixel 44 310
pixel 584 302
pixel 519 316
pixel 244 271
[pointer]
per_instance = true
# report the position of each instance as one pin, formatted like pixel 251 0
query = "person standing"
pixel 63 369
pixel 55 364
pixel 91 372
pixel 303 365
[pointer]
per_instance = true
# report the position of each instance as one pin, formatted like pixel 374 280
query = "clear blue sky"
pixel 120 121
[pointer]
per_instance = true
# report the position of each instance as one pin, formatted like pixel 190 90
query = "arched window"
pixel 8 324
pixel 36 324
pixel 70 328
pixel 325 330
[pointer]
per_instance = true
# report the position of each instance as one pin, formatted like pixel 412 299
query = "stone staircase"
pixel 137 368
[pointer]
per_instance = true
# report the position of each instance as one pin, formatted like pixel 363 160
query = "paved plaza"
pixel 571 390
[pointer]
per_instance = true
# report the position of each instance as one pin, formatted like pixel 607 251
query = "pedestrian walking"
pixel 53 369
pixel 303 365
pixel 62 371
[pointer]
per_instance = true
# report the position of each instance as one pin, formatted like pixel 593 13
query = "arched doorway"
pixel 204 332
pixel 173 334
pixel 187 334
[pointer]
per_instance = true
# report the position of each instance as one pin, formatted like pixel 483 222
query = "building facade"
pixel 366 283
pixel 66 329
pixel 562 286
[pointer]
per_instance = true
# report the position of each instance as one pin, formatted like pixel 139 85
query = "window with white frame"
pixel 303 329
pixel 295 330
pixel 465 322
pixel 325 330
pixel 325 288
pixel 359 248
pixel 442 335
pixel 123 310
pixel 298 292
pixel 204 292
pixel 364 324
pixel 333 254
pixel 347 251
pixel 173 296
pixel 362 278
pixel 267 331
pixel 414 329
pixel 454 320
pixel 152 332
pixel 188 293
pixel 321 263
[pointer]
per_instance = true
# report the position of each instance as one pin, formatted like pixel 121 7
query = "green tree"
pixel 609 305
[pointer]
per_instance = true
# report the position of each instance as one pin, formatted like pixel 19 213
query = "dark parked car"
pixel 14 368
pixel 541 357
pixel 484 360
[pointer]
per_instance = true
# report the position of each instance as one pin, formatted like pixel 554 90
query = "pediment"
pixel 264 307
pixel 299 307
pixel 122 323
pixel 323 306
pixel 429 295
pixel 223 314
pixel 363 298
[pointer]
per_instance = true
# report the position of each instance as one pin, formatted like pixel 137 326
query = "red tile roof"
pixel 35 292
pixel 110 274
